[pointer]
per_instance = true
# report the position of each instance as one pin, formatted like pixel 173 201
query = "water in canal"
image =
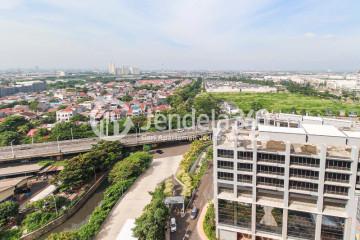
pixel 83 214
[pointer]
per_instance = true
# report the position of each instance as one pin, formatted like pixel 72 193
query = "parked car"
pixel 172 225
pixel 194 213
pixel 180 130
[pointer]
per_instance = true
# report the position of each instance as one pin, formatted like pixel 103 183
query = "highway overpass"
pixel 60 148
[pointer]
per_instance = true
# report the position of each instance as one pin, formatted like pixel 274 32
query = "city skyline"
pixel 186 35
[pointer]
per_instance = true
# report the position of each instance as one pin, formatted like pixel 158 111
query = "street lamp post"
pixel 57 140
pixel 72 136
pixel 55 204
pixel 12 148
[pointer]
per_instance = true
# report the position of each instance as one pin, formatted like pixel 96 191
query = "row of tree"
pixel 84 167
pixel 14 130
pixel 122 175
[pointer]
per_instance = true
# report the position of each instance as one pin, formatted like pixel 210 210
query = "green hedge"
pixel 209 222
pixel 152 222
pixel 191 180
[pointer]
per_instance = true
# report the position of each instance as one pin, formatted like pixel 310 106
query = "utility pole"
pixel 12 148
pixel 57 140
pixel 72 136
pixel 57 213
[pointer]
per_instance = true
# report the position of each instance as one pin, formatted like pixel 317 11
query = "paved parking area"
pixel 131 206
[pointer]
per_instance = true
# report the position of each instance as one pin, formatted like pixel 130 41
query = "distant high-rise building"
pixel 134 70
pixel 112 68
pixel 123 70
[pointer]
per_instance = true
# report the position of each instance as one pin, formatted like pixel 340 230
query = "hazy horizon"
pixel 257 35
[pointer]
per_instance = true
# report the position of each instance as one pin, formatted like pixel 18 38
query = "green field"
pixel 288 102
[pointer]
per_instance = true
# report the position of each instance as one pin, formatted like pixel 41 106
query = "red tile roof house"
pixel 65 115
pixel 32 132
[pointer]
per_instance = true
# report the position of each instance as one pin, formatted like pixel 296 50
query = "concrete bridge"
pixel 58 149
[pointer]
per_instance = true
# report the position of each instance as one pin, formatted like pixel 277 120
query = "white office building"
pixel 287 177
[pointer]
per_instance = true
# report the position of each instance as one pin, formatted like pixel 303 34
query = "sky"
pixel 314 35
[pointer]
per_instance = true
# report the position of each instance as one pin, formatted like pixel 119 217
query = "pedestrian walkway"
pixel 200 223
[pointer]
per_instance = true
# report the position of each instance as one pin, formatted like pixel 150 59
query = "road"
pixel 203 195
pixel 131 206
pixel 83 145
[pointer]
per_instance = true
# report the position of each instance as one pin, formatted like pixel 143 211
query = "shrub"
pixel 8 210
pixel 151 224
pixel 189 180
pixel 130 167
pixel 209 222
pixel 169 187
pixel 11 234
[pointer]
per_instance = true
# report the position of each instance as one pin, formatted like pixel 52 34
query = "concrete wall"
pixel 227 235
pixel 55 223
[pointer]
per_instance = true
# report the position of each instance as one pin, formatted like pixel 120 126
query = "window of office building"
pixel 243 215
pixel 337 177
pixel 226 212
pixel 234 213
pixel 225 164
pixel 227 188
pixel 270 170
pixel 336 164
pixel 305 161
pixel 332 228
pixel 244 167
pixel 275 158
pixel 301 225
pixel 225 176
pixel 225 153
pixel 301 173
pixel 336 190
pixel 306 186
pixel 244 178
pixel 270 181
pixel 245 155
pixel 269 219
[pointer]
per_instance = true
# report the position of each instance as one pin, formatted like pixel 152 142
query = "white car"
pixel 172 225
pixel 180 130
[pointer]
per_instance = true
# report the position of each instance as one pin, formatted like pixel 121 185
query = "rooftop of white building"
pixel 322 130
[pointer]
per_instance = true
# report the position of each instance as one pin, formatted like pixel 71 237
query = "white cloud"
pixel 310 35
pixel 10 4
pixel 246 34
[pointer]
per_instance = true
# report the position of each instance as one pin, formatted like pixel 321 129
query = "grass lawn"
pixel 286 102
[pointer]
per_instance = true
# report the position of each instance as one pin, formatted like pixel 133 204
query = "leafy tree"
pixel 8 210
pixel 130 167
pixel 151 224
pixel 256 106
pixel 79 118
pixel 12 123
pixel 67 130
pixel 204 103
pixel 7 137
pixel 83 168
pixel 126 98
pixel 48 118
pixel 34 106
